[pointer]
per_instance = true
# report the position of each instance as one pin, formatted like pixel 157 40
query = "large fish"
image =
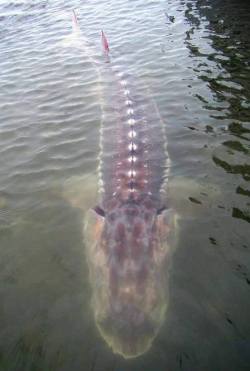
pixel 129 232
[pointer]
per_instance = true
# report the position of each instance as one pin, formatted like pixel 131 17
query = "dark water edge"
pixel 45 313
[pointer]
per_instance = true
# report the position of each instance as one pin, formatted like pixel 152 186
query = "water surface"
pixel 197 68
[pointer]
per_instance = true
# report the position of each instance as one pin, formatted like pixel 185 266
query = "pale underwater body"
pixel 126 242
pixel 130 227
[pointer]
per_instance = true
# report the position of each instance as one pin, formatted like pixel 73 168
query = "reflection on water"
pixel 197 66
pixel 226 72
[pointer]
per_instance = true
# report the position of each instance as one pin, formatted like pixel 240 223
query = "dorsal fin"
pixel 105 44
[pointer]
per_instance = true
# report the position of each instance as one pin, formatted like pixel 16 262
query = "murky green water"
pixel 198 70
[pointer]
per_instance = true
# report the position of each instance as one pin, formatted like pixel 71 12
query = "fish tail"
pixel 74 17
pixel 75 24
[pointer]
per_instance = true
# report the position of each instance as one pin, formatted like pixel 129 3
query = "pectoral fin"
pixel 190 198
pixel 168 231
pixel 81 191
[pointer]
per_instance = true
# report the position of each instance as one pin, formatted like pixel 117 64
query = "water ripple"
pixel 196 68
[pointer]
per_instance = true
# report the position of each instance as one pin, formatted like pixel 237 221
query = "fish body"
pixel 128 232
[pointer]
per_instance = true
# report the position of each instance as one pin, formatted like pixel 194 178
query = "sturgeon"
pixel 129 232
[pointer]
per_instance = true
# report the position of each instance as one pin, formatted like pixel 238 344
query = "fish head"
pixel 127 249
